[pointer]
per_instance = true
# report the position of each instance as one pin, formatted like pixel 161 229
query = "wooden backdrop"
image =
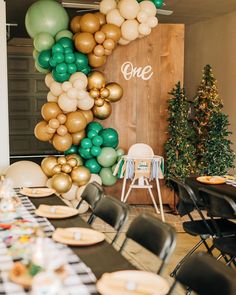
pixel 142 113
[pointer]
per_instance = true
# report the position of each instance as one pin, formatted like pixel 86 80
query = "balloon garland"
pixel 78 93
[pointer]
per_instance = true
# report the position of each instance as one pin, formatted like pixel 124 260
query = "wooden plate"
pixel 37 192
pixel 211 179
pixel 55 212
pixel 132 282
pixel 77 236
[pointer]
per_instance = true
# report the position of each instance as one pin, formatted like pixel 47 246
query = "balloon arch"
pixel 78 93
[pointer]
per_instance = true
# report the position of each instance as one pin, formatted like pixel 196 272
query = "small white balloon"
pixel 48 79
pixel 114 17
pixel 152 22
pixel 56 88
pixel 85 104
pixel 81 77
pixel 129 9
pixel 148 7
pixel 67 104
pixel 82 94
pixel 129 30
pixel 66 86
pixel 51 97
pixel 72 93
pixel 144 29
pixel 142 17
pixel 107 5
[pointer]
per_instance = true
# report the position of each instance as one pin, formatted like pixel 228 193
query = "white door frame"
pixel 4 123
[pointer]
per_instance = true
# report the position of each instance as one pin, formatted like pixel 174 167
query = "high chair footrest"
pixel 140 186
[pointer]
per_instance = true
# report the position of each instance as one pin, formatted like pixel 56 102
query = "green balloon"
pixel 81 61
pixel 120 152
pixel 86 143
pixel 61 68
pixel 71 150
pixel 64 33
pixel 85 153
pixel 46 16
pixel 157 3
pixel 107 177
pixel 71 68
pixel 95 151
pixel 68 50
pixel 35 54
pixel 40 69
pixel 60 77
pixel 58 57
pixel 66 42
pixel 108 157
pixel 97 140
pixel 110 137
pixel 44 58
pixel 91 134
pixel 86 70
pixel 93 166
pixel 57 48
pixel 94 126
pixel 43 41
pixel 69 58
pixel 52 62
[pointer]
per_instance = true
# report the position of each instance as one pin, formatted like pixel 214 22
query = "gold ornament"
pixel 80 175
pixel 61 182
pixel 102 112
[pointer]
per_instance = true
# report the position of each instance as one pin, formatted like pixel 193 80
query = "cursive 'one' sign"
pixel 129 71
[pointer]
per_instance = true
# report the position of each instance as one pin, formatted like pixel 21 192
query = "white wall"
pixel 4 128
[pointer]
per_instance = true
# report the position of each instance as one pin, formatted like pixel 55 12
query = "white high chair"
pixel 142 156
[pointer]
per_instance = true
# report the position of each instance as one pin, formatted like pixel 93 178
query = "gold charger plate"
pixel 211 179
pixel 55 212
pixel 78 236
pixel 132 282
pixel 37 192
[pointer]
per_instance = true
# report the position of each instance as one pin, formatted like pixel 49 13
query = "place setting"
pixel 37 192
pixel 55 212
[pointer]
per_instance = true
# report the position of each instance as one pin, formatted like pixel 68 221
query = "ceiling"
pixel 185 11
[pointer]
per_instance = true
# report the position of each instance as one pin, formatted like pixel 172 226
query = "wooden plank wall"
pixel 141 114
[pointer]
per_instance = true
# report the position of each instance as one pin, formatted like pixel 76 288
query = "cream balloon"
pixel 82 94
pixel 142 17
pixel 26 173
pixel 48 80
pixel 71 194
pixel 152 22
pixel 114 17
pixel 107 5
pixel 66 86
pixel 148 7
pixel 97 178
pixel 72 93
pixel 79 76
pixel 129 30
pixel 55 88
pixel 144 29
pixel 129 9
pixel 80 84
pixel 51 97
pixel 123 41
pixel 86 104
pixel 67 104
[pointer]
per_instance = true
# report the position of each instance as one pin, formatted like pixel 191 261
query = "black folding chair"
pixel 205 275
pixel 111 211
pixel 154 235
pixel 222 206
pixel 201 227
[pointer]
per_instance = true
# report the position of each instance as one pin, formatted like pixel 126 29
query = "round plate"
pixel 55 212
pixel 132 282
pixel 211 179
pixel 37 192
pixel 86 236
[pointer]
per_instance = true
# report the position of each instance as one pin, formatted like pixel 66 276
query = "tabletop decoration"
pixel 211 179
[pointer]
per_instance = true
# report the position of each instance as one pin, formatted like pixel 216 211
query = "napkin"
pixel 72 235
pixel 54 209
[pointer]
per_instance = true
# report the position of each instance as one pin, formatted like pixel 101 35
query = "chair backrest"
pixel 140 151
pixel 205 275
pixel 218 205
pixel 92 194
pixel 153 234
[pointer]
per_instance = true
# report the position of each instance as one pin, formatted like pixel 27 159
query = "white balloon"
pixel 80 84
pixel 148 7
pixel 123 41
pixel 55 88
pixel 144 29
pixel 114 17
pixel 71 194
pixel 48 79
pixel 82 94
pixel 152 22
pixel 66 86
pixel 129 8
pixel 129 30
pixel 107 5
pixel 85 104
pixel 51 97
pixel 142 17
pixel 67 104
pixel 81 77
pixel 72 93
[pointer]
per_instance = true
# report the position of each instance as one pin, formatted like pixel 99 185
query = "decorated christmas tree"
pixel 179 148
pixel 214 154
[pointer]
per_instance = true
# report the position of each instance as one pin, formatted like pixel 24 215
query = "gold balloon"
pixel 61 118
pixel 96 80
pixel 102 112
pixel 107 52
pixel 99 50
pixel 72 162
pixel 61 182
pixel 104 92
pixel 75 24
pixel 85 42
pixel 62 143
pixel 109 44
pixel 102 18
pixel 56 169
pixel 62 130
pixel 50 110
pixel 80 175
pixel 61 160
pixel 40 131
pixel 116 92
pixel 111 31
pixel 94 93
pixel 78 136
pixel 88 115
pixel 99 102
pixel 89 23
pixel 50 130
pixel 66 168
pixel 96 61
pixel 48 164
pixel 79 161
pixel 75 122
pixel 99 37
pixel 54 123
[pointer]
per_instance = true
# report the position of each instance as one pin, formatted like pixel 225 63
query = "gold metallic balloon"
pixel 102 18
pixel 77 158
pixel 62 143
pixel 80 175
pixel 111 31
pixel 99 50
pixel 48 164
pixel 40 131
pixel 85 42
pixel 96 61
pixel 99 37
pixel 50 110
pixel 104 92
pixel 62 130
pixel 116 92
pixel 88 115
pixel 75 24
pixel 54 123
pixel 77 137
pixel 99 102
pixel 50 130
pixel 61 118
pixel 94 93
pixel 96 80
pixel 56 169
pixel 61 160
pixel 90 23
pixel 61 182
pixel 102 112
pixel 109 44
pixel 72 162
pixel 107 52
pixel 66 168
pixel 75 122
